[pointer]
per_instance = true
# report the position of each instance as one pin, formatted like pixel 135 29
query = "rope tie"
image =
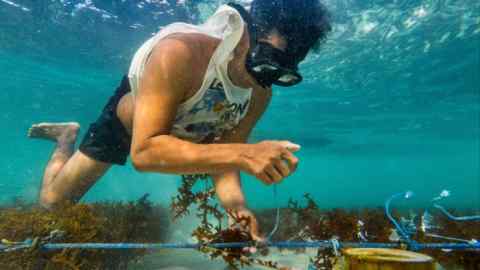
pixel 12 246
pixel 335 246
pixel 33 244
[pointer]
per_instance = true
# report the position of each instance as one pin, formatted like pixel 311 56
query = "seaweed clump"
pixel 109 222
pixel 310 223
pixel 208 231
pixel 470 230
pixel 307 222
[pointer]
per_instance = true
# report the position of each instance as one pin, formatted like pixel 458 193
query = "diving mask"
pixel 270 65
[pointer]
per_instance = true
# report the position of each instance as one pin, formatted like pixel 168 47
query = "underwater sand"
pixel 193 260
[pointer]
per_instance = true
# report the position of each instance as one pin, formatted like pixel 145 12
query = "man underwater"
pixel 190 100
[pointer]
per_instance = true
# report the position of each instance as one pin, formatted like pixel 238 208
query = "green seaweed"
pixel 143 222
pixel 209 232
pixel 309 222
pixel 139 221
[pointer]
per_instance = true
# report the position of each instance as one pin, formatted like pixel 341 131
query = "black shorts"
pixel 107 139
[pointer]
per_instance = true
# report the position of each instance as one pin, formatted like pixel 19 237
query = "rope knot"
pixel 335 246
pixel 32 244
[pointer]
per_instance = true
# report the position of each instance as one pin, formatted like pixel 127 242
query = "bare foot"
pixel 66 132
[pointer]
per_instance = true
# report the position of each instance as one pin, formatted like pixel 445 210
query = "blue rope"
pixel 450 216
pixel 399 228
pixel 285 244
pixel 411 244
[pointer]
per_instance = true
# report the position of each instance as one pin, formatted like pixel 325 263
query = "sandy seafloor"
pixel 193 260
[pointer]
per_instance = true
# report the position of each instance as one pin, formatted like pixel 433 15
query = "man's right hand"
pixel 270 161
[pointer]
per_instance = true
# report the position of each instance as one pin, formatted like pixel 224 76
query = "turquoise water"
pixel 391 103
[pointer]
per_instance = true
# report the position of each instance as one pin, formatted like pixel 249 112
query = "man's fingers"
pixel 292 147
pixel 265 178
pixel 254 231
pixel 274 174
pixel 282 167
pixel 253 227
pixel 291 160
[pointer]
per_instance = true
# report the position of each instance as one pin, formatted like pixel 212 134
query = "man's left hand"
pixel 252 226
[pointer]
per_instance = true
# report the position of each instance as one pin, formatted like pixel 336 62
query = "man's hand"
pixel 270 161
pixel 252 226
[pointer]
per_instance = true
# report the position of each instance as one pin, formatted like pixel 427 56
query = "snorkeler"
pixel 192 95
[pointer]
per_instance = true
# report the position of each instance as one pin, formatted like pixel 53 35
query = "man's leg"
pixel 68 175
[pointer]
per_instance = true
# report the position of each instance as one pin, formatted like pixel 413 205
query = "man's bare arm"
pixel 166 79
pixel 227 184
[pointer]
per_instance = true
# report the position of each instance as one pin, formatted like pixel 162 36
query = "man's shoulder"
pixel 171 47
pixel 184 50
pixel 188 44
pixel 187 51
pixel 184 57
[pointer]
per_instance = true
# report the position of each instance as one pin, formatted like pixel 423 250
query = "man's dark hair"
pixel 304 23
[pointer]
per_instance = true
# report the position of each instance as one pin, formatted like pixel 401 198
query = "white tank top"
pixel 218 105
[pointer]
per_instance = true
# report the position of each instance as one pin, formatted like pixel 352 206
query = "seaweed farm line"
pixel 114 235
